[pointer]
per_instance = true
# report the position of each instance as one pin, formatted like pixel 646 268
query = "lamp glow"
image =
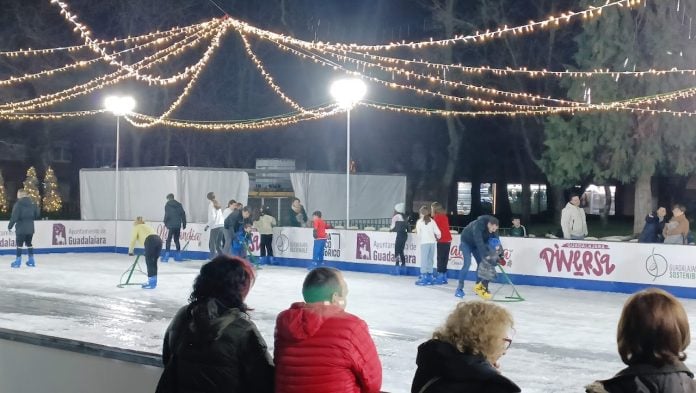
pixel 348 92
pixel 119 105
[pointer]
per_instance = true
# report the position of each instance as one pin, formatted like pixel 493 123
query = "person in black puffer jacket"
pixel 211 344
pixel 174 221
pixel 24 212
pixel 652 336
pixel 463 355
pixel 654 225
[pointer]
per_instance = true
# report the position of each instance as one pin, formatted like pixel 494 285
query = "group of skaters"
pixel 479 239
pixel 212 344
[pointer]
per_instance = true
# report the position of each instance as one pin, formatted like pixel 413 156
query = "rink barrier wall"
pixel 589 265
pixel 38 363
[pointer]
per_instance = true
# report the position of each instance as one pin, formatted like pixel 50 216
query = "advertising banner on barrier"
pixel 64 234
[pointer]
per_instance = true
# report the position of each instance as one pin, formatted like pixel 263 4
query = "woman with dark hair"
pixel 211 344
pixel 652 336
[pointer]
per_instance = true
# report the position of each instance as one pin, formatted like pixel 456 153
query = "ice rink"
pixel 565 338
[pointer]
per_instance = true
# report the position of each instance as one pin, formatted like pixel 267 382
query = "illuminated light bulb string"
pixel 103 81
pixel 50 115
pixel 532 26
pixel 127 40
pixel 80 63
pixel 86 35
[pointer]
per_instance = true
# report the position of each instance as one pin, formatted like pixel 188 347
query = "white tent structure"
pixel 143 191
pixel 371 196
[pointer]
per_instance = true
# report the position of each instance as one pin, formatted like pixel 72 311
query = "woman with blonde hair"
pixel 463 354
pixel 652 335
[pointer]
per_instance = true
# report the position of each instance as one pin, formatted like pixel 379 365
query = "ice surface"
pixel 565 338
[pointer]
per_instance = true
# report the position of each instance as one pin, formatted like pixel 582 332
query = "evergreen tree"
pixel 52 202
pixel 3 195
pixel 31 186
pixel 620 145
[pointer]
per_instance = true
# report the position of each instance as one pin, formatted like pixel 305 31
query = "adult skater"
pixel 215 224
pixel 153 247
pixel 232 216
pixel 264 224
pixel 400 226
pixel 174 220
pixel 24 212
pixel 474 241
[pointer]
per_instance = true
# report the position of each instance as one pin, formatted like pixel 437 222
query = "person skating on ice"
pixel 428 233
pixel 485 271
pixel 174 221
pixel 146 235
pixel 474 241
pixel 443 243
pixel 240 244
pixel 319 234
pixel 24 212
pixel 215 224
pixel 265 224
pixel 400 226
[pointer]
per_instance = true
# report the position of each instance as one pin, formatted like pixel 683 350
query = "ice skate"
pixel 396 271
pixel 151 283
pixel 31 262
pixel 17 263
pixel 165 257
pixel 425 279
pixel 178 257
pixel 459 293
pixel 440 279
pixel 482 292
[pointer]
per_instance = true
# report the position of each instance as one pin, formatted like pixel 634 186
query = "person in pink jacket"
pixel 319 347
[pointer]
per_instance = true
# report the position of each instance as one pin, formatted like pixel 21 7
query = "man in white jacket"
pixel 215 224
pixel 573 220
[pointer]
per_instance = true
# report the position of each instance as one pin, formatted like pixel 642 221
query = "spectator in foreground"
pixel 443 243
pixel 463 354
pixel 518 230
pixel 320 348
pixel 573 221
pixel 297 214
pixel 654 225
pixel 652 336
pixel 400 226
pixel 677 230
pixel 212 345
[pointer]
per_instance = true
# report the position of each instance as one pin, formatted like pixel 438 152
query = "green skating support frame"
pixel 134 268
pixel 514 296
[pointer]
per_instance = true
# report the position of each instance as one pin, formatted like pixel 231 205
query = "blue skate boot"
pixel 31 262
pixel 396 271
pixel 178 257
pixel 440 279
pixel 165 257
pixel 459 293
pixel 425 279
pixel 151 283
pixel 17 263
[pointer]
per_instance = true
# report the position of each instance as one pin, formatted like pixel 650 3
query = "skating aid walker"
pixel 514 295
pixel 134 268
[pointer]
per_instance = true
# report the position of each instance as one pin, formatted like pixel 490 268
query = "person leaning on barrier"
pixel 463 354
pixel 676 231
pixel 654 225
pixel 319 347
pixel 652 335
pixel 212 345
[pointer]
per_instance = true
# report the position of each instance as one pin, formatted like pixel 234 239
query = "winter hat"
pixel 400 208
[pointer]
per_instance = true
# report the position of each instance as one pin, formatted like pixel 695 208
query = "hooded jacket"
pixel 24 212
pixel 174 215
pixel 643 378
pixel 573 221
pixel 322 349
pixel 447 370
pixel 211 348
pixel 476 235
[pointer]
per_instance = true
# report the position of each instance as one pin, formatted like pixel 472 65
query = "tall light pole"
pixel 347 93
pixel 119 106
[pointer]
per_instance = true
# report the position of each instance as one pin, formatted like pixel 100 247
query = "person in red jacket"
pixel 320 348
pixel 443 243
pixel 320 237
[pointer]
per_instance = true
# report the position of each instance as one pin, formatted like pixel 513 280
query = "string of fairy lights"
pixel 418 76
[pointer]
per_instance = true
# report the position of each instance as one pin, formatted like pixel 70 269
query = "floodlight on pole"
pixel 347 93
pixel 119 106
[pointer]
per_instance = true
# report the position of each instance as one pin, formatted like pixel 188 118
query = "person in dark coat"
pixel 212 345
pixel 652 336
pixel 474 241
pixel 24 212
pixel 174 221
pixel 654 225
pixel 400 226
pixel 463 355
pixel 297 216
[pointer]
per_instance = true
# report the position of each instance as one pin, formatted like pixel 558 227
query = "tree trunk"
pixel 604 217
pixel 557 202
pixel 643 201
